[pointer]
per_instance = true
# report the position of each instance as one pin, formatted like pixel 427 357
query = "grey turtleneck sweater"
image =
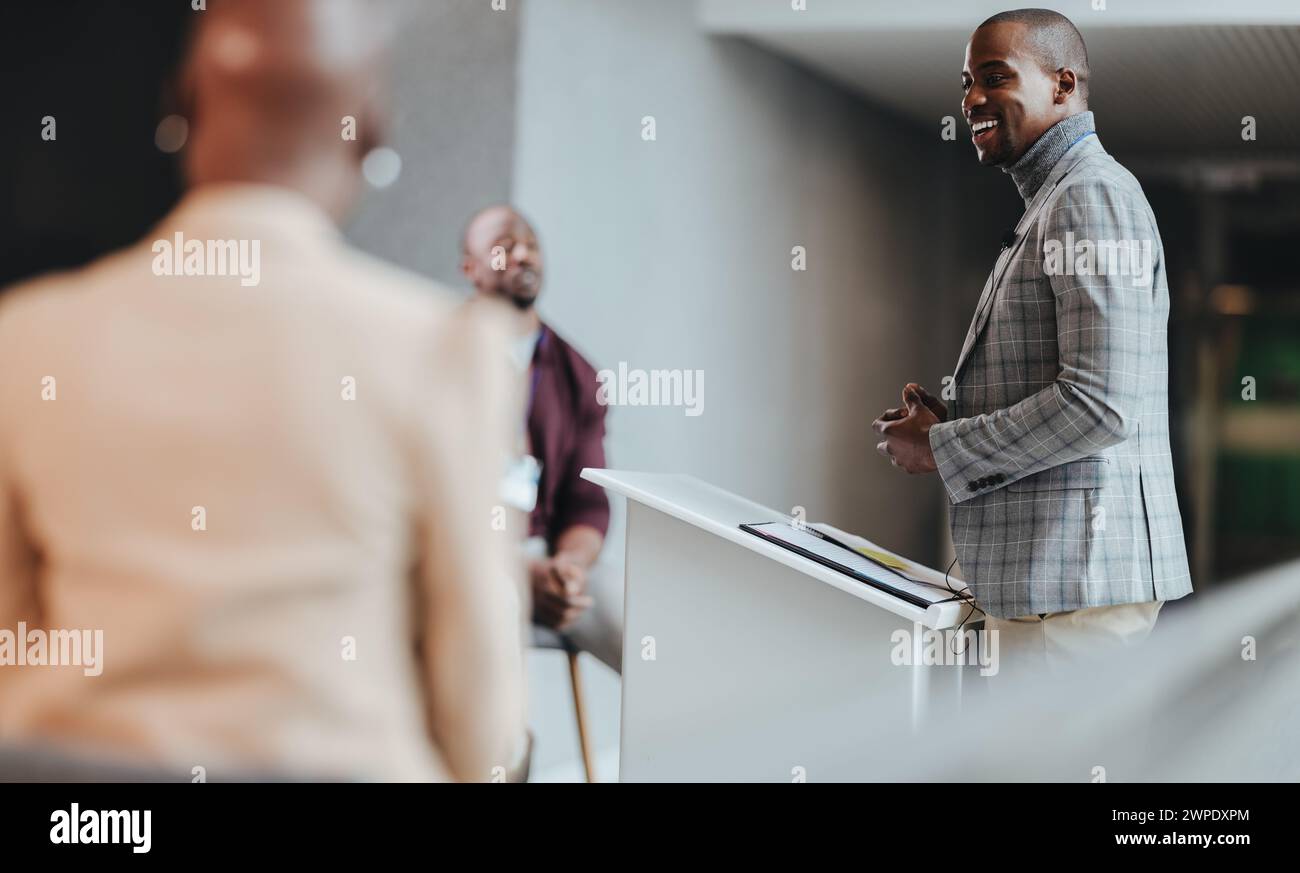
pixel 1034 165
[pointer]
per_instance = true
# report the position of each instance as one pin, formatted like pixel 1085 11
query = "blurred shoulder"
pixel 28 306
pixel 387 291
pixel 582 376
pixel 577 363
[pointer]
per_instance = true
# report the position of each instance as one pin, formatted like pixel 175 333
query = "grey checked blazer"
pixel 1055 454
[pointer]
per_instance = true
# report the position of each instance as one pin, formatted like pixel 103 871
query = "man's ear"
pixel 1067 84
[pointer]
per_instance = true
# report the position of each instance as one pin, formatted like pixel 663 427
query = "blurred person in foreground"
pixel 563 429
pixel 265 472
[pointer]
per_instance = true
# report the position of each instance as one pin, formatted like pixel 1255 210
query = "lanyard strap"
pixel 535 373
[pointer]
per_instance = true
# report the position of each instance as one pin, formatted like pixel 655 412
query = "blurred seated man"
pixel 266 476
pixel 563 431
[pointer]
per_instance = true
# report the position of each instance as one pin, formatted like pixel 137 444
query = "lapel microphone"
pixel 1009 238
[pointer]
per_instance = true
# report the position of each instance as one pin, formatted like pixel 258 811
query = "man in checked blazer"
pixel 1055 451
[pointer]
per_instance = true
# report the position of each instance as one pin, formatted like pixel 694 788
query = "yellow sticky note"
pixel 886 559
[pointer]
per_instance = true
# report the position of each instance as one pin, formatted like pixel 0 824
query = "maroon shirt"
pixel 566 430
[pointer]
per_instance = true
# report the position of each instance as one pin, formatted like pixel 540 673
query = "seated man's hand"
pixel 558 584
pixel 906 432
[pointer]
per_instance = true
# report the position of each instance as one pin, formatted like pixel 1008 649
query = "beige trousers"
pixel 1049 644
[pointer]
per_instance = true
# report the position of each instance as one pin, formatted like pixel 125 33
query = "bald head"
pixel 269 84
pixel 1052 39
pixel 501 256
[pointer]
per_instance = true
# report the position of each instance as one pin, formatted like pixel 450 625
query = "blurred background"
pixel 775 127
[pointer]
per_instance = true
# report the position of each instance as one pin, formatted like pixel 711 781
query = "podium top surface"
pixel 721 513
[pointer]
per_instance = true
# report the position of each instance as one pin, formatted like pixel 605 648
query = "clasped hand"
pixel 905 430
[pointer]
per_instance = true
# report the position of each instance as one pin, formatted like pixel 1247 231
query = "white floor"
pixel 556 754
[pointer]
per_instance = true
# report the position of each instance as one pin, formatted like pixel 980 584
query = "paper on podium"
pixel 943 602
pixel 938 615
pixel 808 540
pixel 911 568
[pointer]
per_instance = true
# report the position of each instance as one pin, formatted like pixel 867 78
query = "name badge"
pixel 519 485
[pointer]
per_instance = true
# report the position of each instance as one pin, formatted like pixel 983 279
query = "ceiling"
pixel 1170 83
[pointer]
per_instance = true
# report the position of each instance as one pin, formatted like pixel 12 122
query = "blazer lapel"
pixel 1009 254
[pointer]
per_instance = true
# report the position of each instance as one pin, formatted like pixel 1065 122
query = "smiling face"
pixel 1010 99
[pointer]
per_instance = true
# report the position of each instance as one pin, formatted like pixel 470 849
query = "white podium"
pixel 743 661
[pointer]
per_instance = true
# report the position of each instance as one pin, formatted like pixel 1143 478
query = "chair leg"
pixel 580 711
